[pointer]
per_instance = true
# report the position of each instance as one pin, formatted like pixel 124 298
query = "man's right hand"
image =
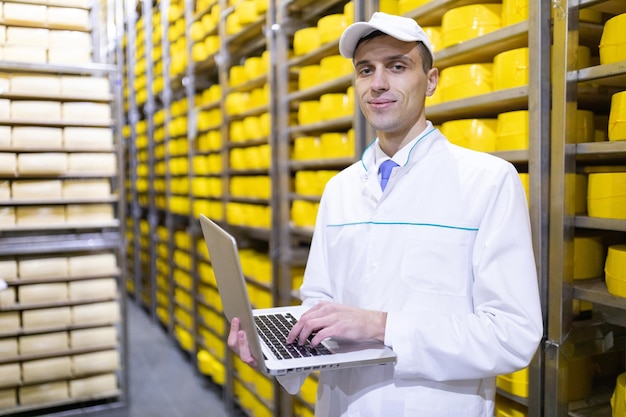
pixel 238 342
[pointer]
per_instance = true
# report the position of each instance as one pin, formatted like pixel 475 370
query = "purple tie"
pixel 385 172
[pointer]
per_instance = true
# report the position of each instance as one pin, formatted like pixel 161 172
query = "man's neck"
pixel 392 142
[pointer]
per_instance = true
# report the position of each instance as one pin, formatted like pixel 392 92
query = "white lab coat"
pixel 446 251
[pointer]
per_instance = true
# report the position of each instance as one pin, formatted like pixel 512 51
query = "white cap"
pixel 402 28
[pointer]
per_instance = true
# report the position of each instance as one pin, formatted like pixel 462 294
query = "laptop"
pixel 268 348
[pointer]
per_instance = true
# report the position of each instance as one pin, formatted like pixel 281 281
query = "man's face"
pixel 391 85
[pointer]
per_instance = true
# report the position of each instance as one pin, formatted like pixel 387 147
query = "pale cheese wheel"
pixel 44 393
pixel 8 398
pixel 8 270
pixel 8 163
pixel 8 347
pixel 99 385
pixel 21 36
pixel 87 112
pixel 29 54
pixel 5 193
pixel 40 216
pixel 7 299
pixel 93 289
pixel 5 108
pixel 91 87
pixel 35 110
pixel 47 369
pixel 86 189
pixel 88 213
pixel 36 189
pixel 44 343
pixel 107 312
pixel 91 138
pixel 3 34
pixel 68 18
pixel 7 217
pixel 37 137
pixel 42 293
pixel 9 321
pixel 5 83
pixel 90 338
pixel 43 268
pixel 5 136
pixel 97 362
pixel 11 375
pixel 46 318
pixel 42 163
pixel 70 39
pixel 26 14
pixel 75 56
pixel 35 84
pixel 97 264
pixel 97 163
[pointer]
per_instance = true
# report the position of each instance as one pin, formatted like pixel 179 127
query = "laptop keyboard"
pixel 274 328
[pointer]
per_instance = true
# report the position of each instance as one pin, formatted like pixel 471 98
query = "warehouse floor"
pixel 163 380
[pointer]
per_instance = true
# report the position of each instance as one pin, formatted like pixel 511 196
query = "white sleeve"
pixel 292 382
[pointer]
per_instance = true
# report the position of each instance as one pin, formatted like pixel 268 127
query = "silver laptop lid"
pixel 231 283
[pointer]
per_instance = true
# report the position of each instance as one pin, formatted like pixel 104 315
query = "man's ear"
pixel 433 79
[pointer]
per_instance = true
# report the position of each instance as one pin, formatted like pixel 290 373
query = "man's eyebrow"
pixel 391 58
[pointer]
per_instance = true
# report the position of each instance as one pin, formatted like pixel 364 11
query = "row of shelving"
pixel 62 325
pixel 585 228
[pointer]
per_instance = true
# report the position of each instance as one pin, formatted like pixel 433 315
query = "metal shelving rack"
pixel 32 242
pixel 570 336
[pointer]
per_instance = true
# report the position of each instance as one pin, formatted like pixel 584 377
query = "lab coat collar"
pixel 373 155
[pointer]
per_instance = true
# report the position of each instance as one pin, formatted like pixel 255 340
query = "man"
pixel 438 265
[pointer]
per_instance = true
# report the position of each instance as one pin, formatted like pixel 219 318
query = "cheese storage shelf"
pixel 77 87
pixel 587 88
pixel 432 12
pixel 74 69
pixel 341 123
pixel 601 151
pixel 22 332
pixel 14 149
pixel 59 123
pixel 28 281
pixel 250 38
pixel 16 244
pixel 329 48
pixel 62 405
pixel 595 291
pixel 320 163
pixel 61 98
pixel 479 106
pixel 600 224
pixel 334 86
pixel 53 354
pixel 484 48
pixel 111 199
pixel 60 176
pixel 68 226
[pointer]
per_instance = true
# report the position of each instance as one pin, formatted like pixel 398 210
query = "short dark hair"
pixel 427 59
